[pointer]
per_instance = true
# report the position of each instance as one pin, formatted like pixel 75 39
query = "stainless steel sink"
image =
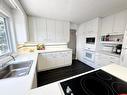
pixel 16 69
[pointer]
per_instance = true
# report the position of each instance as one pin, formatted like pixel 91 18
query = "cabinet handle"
pixel 111 62
pixel 122 58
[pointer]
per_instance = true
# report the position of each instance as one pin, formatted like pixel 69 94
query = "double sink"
pixel 16 69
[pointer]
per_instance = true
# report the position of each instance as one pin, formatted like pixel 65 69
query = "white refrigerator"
pixel 123 58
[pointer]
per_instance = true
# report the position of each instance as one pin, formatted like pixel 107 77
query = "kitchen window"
pixel 5 46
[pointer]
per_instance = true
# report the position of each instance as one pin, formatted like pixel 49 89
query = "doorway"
pixel 72 43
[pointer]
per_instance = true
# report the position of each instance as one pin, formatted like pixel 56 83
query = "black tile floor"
pixel 50 76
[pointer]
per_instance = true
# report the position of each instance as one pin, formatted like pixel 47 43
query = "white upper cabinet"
pixel 51 31
pixel 32 28
pixel 91 27
pixel 41 30
pixel 48 30
pixel 21 29
pixel 59 31
pixel 120 22
pixel 114 24
pixel 66 31
pixel 107 25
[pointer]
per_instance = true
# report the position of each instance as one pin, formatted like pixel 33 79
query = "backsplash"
pixel 113 38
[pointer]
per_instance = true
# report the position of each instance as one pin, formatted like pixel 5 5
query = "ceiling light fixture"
pixel 13 3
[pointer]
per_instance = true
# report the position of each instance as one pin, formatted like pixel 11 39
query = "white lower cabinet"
pixel 34 84
pixel 42 59
pixel 68 57
pixel 104 59
pixel 52 60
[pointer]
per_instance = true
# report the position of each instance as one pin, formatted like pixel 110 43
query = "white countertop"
pixel 28 50
pixel 22 85
pixel 53 50
pixel 54 88
pixel 19 85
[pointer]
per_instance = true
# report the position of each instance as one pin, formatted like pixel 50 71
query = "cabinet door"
pixel 51 30
pixel 119 22
pixel 102 60
pixel 92 27
pixel 66 32
pixel 107 25
pixel 124 45
pixel 42 65
pixel 114 60
pixel 60 58
pixel 51 59
pixel 89 26
pixel 32 28
pixel 68 57
pixel 59 31
pixel 80 42
pixel 123 60
pixel 41 34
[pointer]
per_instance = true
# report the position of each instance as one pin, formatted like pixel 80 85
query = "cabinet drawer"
pixel 103 59
pixel 114 60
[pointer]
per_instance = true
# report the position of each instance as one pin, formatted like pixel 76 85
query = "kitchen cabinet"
pixel 41 30
pixel 91 27
pixel 80 42
pixel 20 25
pixel 34 84
pixel 68 57
pixel 124 45
pixel 52 60
pixel 123 59
pixel 87 29
pixel 107 25
pixel 49 30
pixel 114 24
pixel 32 28
pixel 66 31
pixel 104 59
pixel 42 64
pixel 120 20
pixel 60 58
pixel 59 31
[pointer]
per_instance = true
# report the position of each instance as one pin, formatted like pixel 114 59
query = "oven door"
pixel 89 55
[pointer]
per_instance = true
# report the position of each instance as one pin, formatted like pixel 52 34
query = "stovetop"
pixel 95 83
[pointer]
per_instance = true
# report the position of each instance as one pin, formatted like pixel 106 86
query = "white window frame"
pixel 8 36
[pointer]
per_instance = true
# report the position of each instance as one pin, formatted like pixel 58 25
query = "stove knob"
pixel 68 90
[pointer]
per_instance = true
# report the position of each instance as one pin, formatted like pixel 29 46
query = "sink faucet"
pixel 13 57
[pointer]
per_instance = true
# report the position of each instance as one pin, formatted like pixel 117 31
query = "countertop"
pixel 30 49
pixel 22 85
pixel 53 50
pixel 19 85
pixel 54 88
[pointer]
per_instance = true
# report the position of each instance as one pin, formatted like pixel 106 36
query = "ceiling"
pixel 76 11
